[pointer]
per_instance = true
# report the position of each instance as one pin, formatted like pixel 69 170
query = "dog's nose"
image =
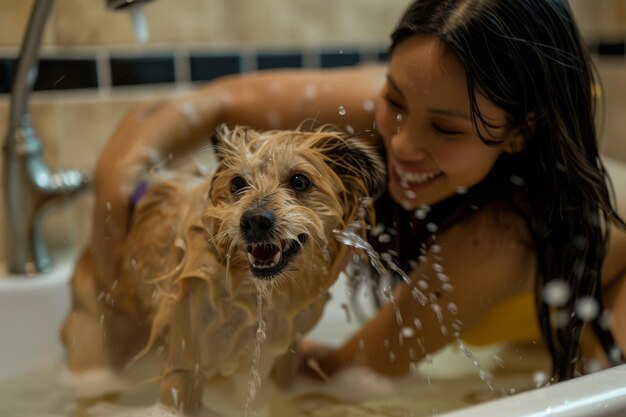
pixel 256 224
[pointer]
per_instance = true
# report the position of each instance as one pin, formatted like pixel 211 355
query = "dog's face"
pixel 276 196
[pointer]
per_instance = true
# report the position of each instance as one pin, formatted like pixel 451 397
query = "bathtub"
pixel 32 308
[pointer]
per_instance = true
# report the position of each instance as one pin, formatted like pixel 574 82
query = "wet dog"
pixel 222 275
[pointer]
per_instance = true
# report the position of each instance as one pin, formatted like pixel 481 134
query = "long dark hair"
pixel 528 58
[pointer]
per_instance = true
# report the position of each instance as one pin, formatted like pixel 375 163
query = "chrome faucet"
pixel 29 186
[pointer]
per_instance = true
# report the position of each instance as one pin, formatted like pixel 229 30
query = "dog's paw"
pixel 359 383
pixel 91 384
pixel 156 410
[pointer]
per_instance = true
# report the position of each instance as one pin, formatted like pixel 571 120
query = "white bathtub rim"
pixel 586 396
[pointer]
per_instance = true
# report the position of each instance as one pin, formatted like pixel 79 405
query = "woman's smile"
pixel 410 178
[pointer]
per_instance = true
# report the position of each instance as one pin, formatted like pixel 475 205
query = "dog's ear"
pixel 225 140
pixel 358 162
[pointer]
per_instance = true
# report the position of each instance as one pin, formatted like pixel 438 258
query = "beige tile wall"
pixel 74 126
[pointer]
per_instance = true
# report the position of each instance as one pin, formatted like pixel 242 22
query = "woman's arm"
pixel 484 263
pixel 274 99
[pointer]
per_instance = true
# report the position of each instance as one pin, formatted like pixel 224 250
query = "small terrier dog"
pixel 222 275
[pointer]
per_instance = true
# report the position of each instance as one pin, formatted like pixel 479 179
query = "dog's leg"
pixel 286 367
pixel 83 333
pixel 105 327
pixel 182 379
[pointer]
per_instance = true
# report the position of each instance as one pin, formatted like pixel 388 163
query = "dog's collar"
pixel 140 190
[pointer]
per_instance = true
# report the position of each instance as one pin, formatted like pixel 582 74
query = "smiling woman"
pixel 433 146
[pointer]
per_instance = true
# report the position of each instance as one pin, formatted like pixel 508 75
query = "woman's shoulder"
pixel 498 221
pixel 498 238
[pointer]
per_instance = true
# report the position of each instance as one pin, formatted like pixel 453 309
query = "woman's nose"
pixel 408 144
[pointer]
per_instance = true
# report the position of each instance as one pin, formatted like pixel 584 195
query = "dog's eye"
pixel 237 184
pixel 300 183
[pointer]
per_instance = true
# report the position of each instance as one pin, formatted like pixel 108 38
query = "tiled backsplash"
pixel 92 70
pixel 103 70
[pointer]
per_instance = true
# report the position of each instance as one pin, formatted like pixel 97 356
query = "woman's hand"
pixel 147 135
pixel 318 361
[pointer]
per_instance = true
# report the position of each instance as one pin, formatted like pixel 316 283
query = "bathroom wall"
pixel 92 69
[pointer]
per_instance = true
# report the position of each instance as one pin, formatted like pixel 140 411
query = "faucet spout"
pixel 29 186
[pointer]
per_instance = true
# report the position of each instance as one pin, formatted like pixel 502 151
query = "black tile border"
pixel 206 67
pixel 279 59
pixel 140 69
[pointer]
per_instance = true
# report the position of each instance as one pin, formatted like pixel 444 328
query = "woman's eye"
pixel 300 183
pixel 237 184
pixel 393 104
pixel 445 131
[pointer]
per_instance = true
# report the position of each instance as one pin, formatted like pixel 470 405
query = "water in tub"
pixel 457 376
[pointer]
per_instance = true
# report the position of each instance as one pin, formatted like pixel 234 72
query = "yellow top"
pixel 512 320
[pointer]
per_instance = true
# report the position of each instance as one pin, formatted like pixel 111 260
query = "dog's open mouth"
pixel 268 259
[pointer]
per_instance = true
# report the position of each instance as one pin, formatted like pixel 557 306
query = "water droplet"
pixel 108 206
pixel 606 320
pixel 174 394
pixel 342 111
pixel 368 106
pixel 556 293
pixel 593 365
pixel 587 308
pixel 441 276
pixel 399 117
pixel 407 332
pixel 435 248
pixel 438 268
pixel 410 194
pixel 431 227
pixel 419 296
pixel 423 285
pixel 540 378
pixel 392 357
pixel 437 309
pixel 517 180
pixel 384 238
pixel 615 354
pixel 378 229
pixel 261 337
pixel 361 344
pixel 452 308
pixel 421 214
pixel 350 129
pixel 310 92
pixel 461 190
pixel 418 324
pixel 386 256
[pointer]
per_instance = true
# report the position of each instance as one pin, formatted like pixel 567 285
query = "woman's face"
pixel 423 114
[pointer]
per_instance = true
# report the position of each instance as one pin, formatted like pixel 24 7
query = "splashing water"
pixel 254 382
pixel 484 375
pixel 349 238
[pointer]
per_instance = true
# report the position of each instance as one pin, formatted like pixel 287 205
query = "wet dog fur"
pixel 206 257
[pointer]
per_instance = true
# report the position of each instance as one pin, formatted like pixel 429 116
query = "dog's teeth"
pixel 251 258
pixel 276 258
